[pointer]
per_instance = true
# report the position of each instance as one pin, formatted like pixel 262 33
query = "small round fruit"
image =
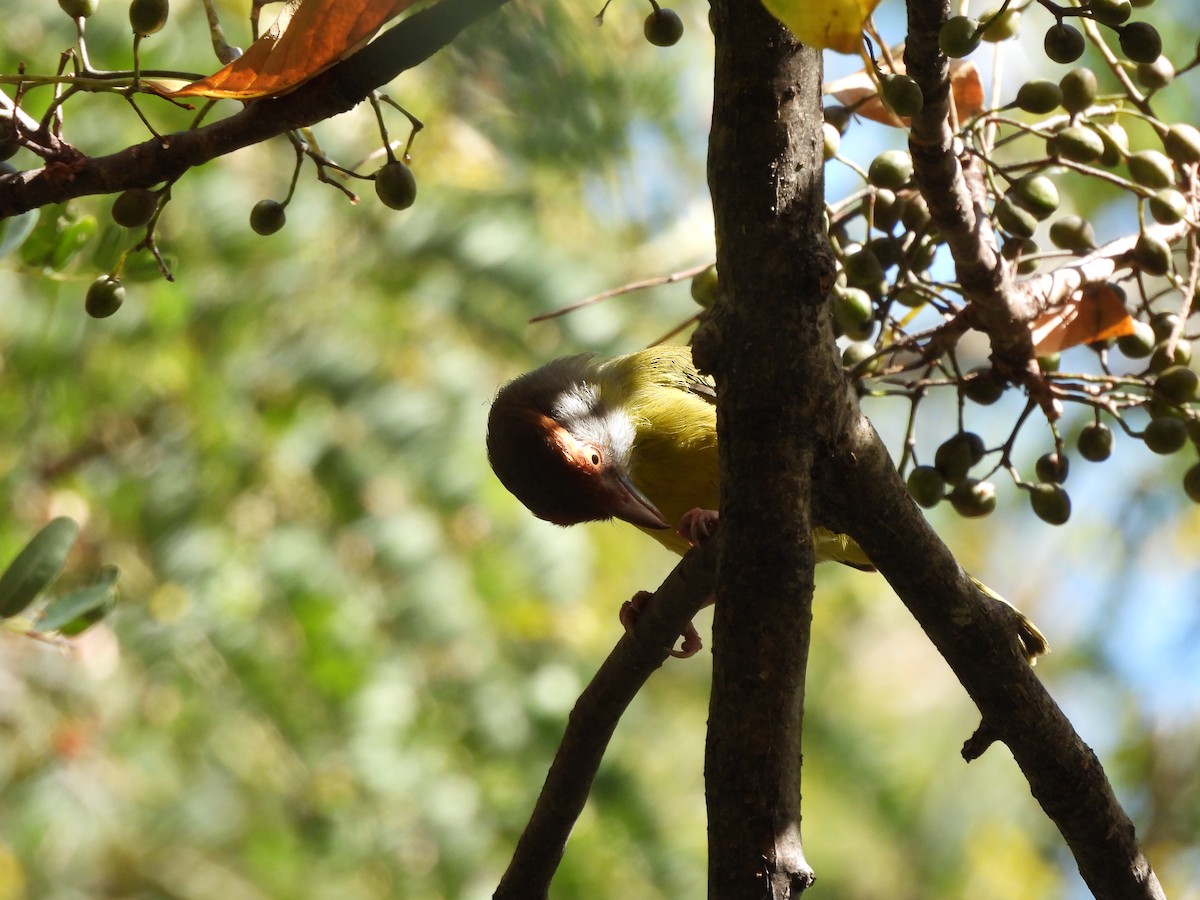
pixel 1037 194
pixel 706 287
pixel 1155 75
pixel 959 37
pixel 135 207
pixel 1077 143
pixel 1000 26
pixel 891 169
pixel 1164 324
pixel 1141 42
pixel 267 217
pixel 916 215
pixel 858 353
pixel 838 116
pixel 79 9
pixel 663 27
pixel 854 313
pixel 1050 362
pixel 1176 385
pixel 1063 43
pixel 1151 169
pixel 1079 88
pixel 148 16
pixel 1073 233
pixel 957 454
pixel 1095 442
pixel 1182 143
pixel 1151 254
pixel 1111 12
pixel 1161 359
pixel 1052 467
pixel 395 185
pixel 983 385
pixel 863 268
pixel 1165 435
pixel 1015 220
pixel 1116 143
pixel 1168 206
pixel 974 498
pixel 832 139
pixel 1050 503
pixel 1191 483
pixel 903 95
pixel 927 486
pixel 1039 96
pixel 104 297
pixel 1139 344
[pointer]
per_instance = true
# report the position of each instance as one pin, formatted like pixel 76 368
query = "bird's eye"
pixel 595 458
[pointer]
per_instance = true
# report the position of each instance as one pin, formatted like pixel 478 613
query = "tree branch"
pixel 592 722
pixel 863 494
pixel 408 44
pixel 770 346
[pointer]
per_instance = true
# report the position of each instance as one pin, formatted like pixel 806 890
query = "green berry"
pixel 859 352
pixel 1079 89
pixel 1155 75
pixel 1139 344
pixel 104 297
pixel 1000 26
pixel 983 385
pixel 1015 220
pixel 1052 467
pixel 1073 233
pixel 1141 42
pixel 973 498
pixel 1165 435
pixel 148 16
pixel 1161 359
pixel 1077 143
pixel 1039 96
pixel 832 139
pixel 1151 254
pixel 79 9
pixel 1151 169
pixel 395 185
pixel 706 287
pixel 1063 43
pixel 927 486
pixel 863 269
pixel 135 207
pixel 854 313
pixel 1164 324
pixel 902 94
pixel 663 27
pixel 267 217
pixel 1095 442
pixel 1191 483
pixel 1176 385
pixel 1111 12
pixel 959 36
pixel 1037 194
pixel 957 454
pixel 1168 206
pixel 1050 503
pixel 1182 143
pixel 891 169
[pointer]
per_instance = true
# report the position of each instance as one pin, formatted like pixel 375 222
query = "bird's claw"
pixel 698 525
pixel 631 611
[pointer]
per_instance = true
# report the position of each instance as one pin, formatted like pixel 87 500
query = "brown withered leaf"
pixel 1095 313
pixel 858 92
pixel 318 34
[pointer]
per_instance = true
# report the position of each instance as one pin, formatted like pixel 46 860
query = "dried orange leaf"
pixel 825 24
pixel 1096 313
pixel 318 34
pixel 859 92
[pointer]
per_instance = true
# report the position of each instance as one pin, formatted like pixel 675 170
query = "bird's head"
pixel 558 450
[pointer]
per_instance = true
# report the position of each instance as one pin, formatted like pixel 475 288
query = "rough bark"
pixel 770 340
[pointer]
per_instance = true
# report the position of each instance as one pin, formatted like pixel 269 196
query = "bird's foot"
pixel 698 525
pixel 631 611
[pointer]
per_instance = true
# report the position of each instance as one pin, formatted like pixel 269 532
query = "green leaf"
pixel 37 565
pixel 73 612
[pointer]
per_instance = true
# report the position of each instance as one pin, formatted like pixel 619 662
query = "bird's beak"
pixel 631 505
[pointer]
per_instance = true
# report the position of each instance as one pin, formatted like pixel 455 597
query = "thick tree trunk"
pixel 769 346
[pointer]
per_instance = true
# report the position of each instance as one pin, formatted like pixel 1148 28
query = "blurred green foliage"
pixel 344 655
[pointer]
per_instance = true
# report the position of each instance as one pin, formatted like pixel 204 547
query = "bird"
pixel 634 438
